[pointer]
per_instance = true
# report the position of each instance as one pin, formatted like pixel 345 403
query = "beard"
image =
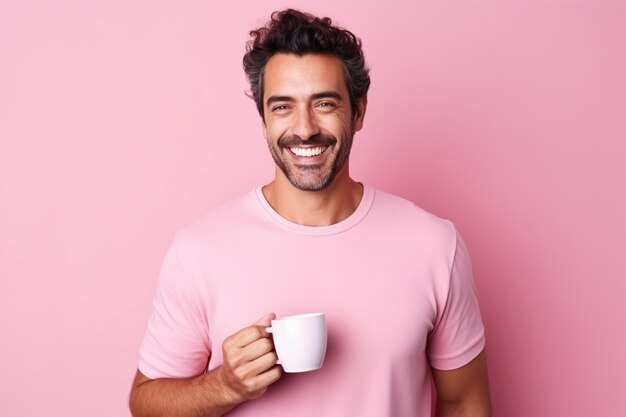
pixel 311 177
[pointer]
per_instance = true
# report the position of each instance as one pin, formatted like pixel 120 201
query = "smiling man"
pixel 394 281
pixel 312 120
pixel 309 125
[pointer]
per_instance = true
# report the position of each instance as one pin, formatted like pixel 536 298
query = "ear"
pixel 264 127
pixel 360 114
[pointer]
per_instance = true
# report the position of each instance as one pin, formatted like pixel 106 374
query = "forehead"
pixel 301 76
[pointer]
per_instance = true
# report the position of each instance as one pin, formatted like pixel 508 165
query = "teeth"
pixel 308 151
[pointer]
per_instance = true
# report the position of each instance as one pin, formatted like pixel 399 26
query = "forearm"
pixel 464 392
pixel 465 409
pixel 202 396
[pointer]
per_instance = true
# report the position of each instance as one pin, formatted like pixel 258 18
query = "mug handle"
pixel 270 330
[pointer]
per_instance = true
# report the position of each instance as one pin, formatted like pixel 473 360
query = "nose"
pixel 305 124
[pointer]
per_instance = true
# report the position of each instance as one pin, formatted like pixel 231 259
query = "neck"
pixel 334 203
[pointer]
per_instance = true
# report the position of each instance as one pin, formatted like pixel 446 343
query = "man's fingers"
pixel 271 376
pixel 264 362
pixel 252 378
pixel 264 380
pixel 247 346
pixel 245 336
pixel 256 367
pixel 250 361
pixel 251 333
pixel 256 349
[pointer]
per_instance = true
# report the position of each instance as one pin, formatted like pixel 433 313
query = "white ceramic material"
pixel 300 341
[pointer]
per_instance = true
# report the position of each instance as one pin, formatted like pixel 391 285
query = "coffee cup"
pixel 299 341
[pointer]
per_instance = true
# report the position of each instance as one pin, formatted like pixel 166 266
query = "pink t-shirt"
pixel 394 281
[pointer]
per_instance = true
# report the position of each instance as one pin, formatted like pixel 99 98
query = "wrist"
pixel 218 387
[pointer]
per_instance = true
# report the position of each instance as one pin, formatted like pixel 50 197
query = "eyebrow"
pixel 316 96
pixel 327 94
pixel 274 99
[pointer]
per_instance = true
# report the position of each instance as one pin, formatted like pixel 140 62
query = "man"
pixel 394 281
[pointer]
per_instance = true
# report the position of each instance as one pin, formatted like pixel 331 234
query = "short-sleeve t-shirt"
pixel 394 282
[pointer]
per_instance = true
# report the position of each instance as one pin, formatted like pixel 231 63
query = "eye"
pixel 281 108
pixel 326 105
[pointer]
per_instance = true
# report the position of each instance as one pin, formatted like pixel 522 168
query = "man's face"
pixel 308 121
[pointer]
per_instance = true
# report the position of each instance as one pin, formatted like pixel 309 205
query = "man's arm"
pixel 249 368
pixel 463 392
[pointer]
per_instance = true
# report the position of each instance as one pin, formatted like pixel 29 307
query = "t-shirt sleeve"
pixel 176 343
pixel 458 335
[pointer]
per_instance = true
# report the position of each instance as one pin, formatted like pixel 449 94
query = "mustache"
pixel 315 140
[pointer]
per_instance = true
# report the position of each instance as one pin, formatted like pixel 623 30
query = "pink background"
pixel 122 122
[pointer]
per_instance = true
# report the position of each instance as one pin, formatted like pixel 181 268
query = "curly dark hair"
pixel 292 31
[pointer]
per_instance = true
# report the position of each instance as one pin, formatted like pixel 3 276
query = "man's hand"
pixel 249 361
pixel 249 368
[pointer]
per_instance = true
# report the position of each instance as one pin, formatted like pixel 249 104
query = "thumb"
pixel 266 320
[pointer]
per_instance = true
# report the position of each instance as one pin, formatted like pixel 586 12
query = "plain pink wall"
pixel 122 122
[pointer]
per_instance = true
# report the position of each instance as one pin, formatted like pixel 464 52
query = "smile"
pixel 308 152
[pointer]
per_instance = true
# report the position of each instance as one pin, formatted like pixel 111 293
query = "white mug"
pixel 299 341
